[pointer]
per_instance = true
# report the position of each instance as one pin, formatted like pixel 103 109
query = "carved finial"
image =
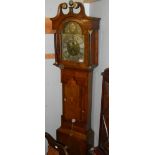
pixel 71 2
pixel 72 5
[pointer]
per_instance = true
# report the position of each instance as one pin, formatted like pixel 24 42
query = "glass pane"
pixel 72 42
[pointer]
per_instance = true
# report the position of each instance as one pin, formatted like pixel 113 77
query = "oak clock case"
pixel 76 54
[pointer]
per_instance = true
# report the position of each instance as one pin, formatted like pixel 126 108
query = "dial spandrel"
pixel 72 42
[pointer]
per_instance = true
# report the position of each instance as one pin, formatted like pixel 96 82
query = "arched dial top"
pixel 72 42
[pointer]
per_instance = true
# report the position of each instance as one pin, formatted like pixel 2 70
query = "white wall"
pixel 53 95
pixel 100 9
pixel 53 105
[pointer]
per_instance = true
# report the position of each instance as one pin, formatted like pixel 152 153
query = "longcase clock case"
pixel 76 50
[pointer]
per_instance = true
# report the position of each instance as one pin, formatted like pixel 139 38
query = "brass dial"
pixel 72 42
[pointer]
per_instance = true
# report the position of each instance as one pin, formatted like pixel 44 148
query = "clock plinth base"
pixel 78 143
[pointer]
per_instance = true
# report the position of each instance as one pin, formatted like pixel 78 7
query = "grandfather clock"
pixel 76 54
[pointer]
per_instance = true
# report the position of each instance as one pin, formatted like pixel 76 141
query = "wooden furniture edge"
pixel 49 55
pixel 48 26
